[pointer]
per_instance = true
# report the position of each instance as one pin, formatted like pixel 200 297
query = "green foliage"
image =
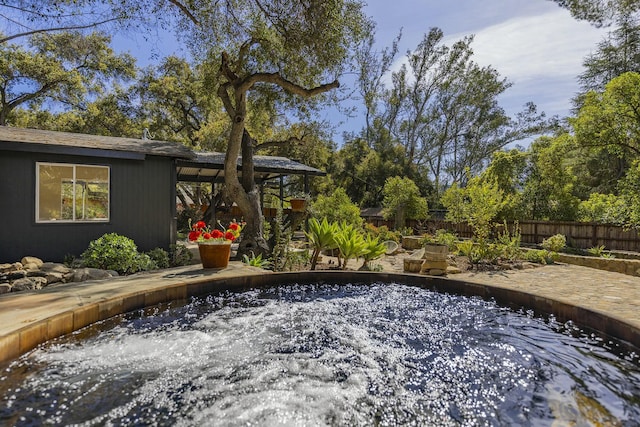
pixel 59 67
pixel 465 248
pixel 477 204
pixel 604 209
pixel 402 201
pixel 373 249
pixel 280 242
pixel 509 243
pixel 159 257
pixel 550 187
pixel 321 236
pixel 554 243
pixel 336 207
pixel 611 118
pixel 350 242
pixel 382 233
pixel 256 261
pixel 114 252
pixel 179 255
pixel 598 251
pixel 540 256
pixel 444 237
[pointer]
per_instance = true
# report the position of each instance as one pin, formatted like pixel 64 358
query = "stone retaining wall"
pixel 624 266
pixel 32 273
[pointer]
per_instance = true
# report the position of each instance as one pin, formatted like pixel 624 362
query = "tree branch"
pixel 270 144
pixel 291 87
pixel 48 30
pixel 226 101
pixel 185 11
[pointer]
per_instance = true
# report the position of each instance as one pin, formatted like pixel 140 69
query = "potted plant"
pixel 214 245
pixel 299 202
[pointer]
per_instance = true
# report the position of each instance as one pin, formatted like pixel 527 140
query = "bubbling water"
pixel 383 354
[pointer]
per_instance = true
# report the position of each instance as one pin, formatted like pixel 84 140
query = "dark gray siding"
pixel 142 196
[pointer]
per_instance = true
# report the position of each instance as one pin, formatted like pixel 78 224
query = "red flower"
pixel 233 226
pixel 193 235
pixel 200 225
pixel 229 236
pixel 216 234
pixel 206 236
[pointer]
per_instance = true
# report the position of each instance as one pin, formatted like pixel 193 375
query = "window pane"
pixel 63 196
pixel 92 192
pixel 55 192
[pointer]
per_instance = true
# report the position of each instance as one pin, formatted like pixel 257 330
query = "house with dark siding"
pixel 59 191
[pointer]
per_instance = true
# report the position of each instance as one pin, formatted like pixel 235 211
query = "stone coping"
pixel 28 319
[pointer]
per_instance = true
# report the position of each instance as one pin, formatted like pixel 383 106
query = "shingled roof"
pixel 82 144
pixel 209 167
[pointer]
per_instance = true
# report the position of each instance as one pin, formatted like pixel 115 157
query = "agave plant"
pixel 321 236
pixel 350 243
pixel 373 250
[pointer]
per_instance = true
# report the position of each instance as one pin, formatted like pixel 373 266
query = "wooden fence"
pixel 581 235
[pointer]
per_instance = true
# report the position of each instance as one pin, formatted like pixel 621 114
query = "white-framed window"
pixel 72 193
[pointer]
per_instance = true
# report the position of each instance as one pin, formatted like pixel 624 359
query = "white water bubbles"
pixel 383 354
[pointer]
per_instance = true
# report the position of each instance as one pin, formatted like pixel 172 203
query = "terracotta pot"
pixel 214 255
pixel 297 205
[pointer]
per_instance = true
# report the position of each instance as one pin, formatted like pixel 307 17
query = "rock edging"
pixel 32 273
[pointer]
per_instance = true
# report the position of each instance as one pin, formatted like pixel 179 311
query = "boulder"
pixel 36 273
pixel 15 275
pixel 435 272
pixel 54 267
pixel 54 277
pixel 31 260
pixel 29 284
pixel 5 288
pixel 83 274
pixel 6 268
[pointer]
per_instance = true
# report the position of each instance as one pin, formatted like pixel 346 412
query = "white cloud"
pixel 552 44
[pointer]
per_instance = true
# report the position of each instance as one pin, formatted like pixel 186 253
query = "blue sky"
pixel 537 45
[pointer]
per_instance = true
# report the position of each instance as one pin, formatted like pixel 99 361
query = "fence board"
pixel 579 235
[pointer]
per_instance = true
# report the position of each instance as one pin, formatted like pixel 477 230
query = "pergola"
pixel 209 167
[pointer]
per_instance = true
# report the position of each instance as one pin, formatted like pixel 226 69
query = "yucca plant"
pixel 374 249
pixel 350 242
pixel 321 236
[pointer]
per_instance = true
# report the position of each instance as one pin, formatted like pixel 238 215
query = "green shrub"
pixel 256 261
pixel 382 233
pixel 444 237
pixel 599 252
pixel 112 252
pixel 465 248
pixel 509 243
pixel 373 249
pixel 160 257
pixel 554 243
pixel 337 207
pixel 540 256
pixel 179 255
pixel 350 242
pixel 145 263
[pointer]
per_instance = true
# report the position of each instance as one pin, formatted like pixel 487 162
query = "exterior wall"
pixel 142 206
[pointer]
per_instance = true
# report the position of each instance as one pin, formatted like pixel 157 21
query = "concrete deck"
pixel 606 301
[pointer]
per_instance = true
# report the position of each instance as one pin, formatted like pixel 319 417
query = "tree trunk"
pixel 253 240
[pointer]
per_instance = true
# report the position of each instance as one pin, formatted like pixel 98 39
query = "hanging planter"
pixel 214 254
pixel 298 204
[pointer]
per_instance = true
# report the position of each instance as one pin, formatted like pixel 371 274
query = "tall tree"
pixel 617 54
pixel 66 68
pixel 282 51
pixel 443 108
pixel 600 12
